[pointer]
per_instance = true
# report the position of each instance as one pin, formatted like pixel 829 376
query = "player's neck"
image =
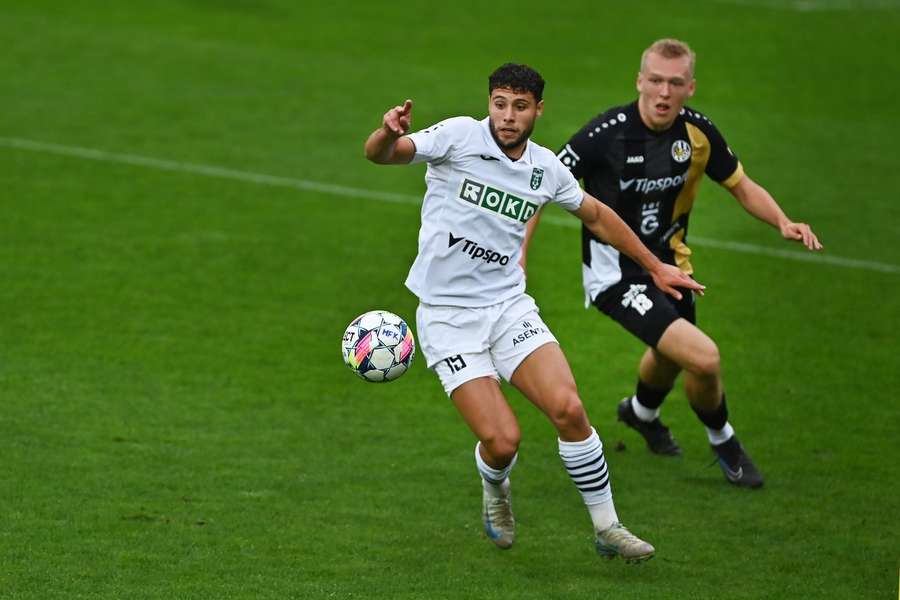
pixel 655 128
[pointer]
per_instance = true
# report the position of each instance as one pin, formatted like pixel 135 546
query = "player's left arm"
pixel 757 201
pixel 723 166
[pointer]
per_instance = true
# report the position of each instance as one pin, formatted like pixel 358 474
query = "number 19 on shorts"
pixel 455 363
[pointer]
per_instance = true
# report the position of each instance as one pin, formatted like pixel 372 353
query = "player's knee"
pixel 568 412
pixel 707 363
pixel 502 445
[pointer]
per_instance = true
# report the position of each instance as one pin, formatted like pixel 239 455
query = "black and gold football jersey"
pixel 650 179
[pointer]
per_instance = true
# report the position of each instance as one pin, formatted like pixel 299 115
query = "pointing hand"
pixel 398 120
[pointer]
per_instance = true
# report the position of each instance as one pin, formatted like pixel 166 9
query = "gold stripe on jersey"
pixel 685 200
pixel 735 177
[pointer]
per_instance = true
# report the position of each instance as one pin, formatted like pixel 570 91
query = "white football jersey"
pixel 476 205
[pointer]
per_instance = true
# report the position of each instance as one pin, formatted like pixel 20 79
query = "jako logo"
pixel 646 186
pixel 475 251
pixel 498 201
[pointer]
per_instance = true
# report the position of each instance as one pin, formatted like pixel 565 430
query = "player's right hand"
pixel 398 120
pixel 669 277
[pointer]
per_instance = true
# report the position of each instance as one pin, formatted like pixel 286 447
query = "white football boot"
pixel 616 540
pixel 499 523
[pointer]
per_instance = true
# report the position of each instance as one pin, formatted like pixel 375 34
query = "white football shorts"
pixel 462 344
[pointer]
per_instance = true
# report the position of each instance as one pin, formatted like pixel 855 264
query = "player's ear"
pixel 540 108
pixel 692 87
pixel 637 82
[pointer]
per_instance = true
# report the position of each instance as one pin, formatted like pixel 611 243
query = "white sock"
pixel 586 465
pixel 642 412
pixel 720 436
pixel 495 481
pixel 603 515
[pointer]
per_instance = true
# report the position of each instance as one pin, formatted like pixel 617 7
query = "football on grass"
pixel 378 346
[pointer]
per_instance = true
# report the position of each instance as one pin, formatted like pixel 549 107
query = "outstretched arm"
pixel 760 203
pixel 607 225
pixel 386 146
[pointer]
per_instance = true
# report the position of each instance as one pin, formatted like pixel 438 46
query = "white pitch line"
pixel 807 6
pixel 207 170
pixel 340 190
pixel 806 256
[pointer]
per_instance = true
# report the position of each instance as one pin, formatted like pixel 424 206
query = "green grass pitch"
pixel 176 273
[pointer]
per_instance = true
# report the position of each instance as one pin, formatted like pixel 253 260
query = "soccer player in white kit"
pixel 475 322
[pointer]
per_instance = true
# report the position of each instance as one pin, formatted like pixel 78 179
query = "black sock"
pixel 715 419
pixel 649 397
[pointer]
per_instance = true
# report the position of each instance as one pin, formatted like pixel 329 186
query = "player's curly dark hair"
pixel 518 78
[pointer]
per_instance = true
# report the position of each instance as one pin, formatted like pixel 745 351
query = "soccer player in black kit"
pixel 646 160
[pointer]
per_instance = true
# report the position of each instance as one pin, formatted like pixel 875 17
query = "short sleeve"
pixel 583 150
pixel 435 143
pixel 569 194
pixel 723 166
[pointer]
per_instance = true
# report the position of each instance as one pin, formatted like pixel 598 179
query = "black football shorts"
pixel 645 310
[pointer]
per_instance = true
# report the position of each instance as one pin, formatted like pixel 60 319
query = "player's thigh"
pixel 526 354
pixel 643 309
pixel 546 379
pixel 688 346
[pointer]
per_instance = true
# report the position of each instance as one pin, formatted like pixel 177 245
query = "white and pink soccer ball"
pixel 378 346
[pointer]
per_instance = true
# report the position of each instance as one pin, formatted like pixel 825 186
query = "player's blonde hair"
pixel 669 48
